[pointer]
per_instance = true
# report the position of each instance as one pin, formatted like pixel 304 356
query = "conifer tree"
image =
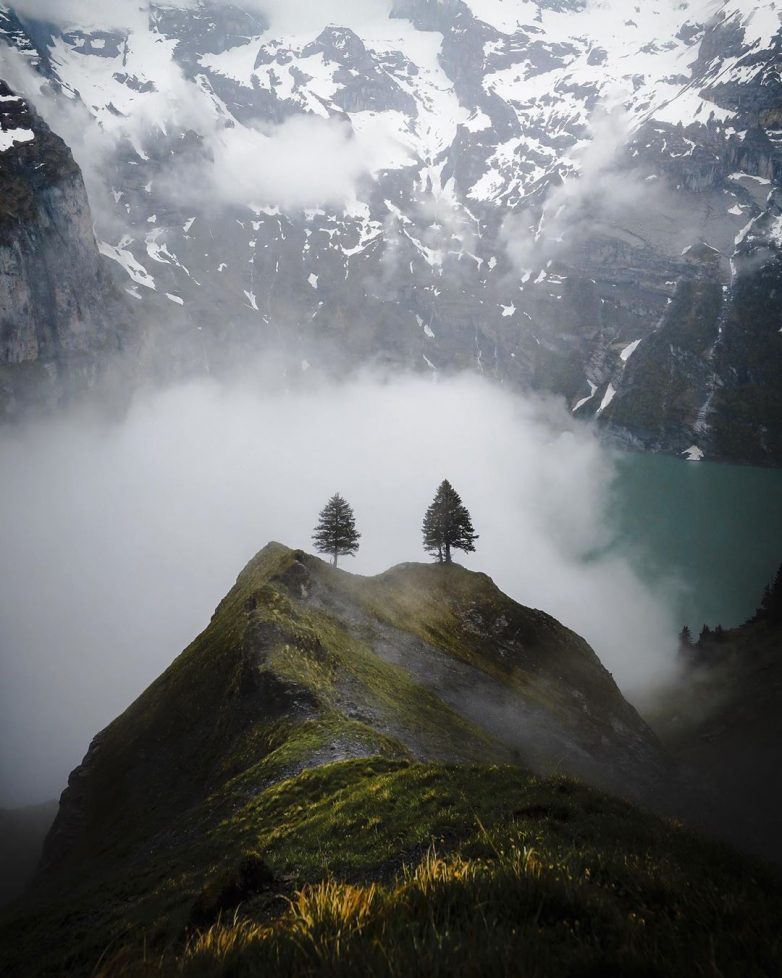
pixel 336 532
pixel 447 525
pixel 771 603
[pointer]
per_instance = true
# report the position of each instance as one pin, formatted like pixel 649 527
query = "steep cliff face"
pixel 659 400
pixel 61 316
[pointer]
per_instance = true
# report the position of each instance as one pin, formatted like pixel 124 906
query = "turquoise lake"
pixel 716 528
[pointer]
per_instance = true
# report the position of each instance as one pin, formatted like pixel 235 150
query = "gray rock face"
pixel 509 221
pixel 60 313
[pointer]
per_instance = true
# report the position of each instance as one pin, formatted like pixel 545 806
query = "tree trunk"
pixel 447 553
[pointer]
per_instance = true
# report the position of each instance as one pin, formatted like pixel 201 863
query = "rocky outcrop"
pixel 74 812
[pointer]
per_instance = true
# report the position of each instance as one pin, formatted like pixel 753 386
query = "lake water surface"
pixel 716 528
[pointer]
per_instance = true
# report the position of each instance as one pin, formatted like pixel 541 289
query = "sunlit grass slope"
pixel 429 870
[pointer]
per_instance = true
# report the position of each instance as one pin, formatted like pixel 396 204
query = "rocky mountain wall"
pixel 62 316
pixel 529 186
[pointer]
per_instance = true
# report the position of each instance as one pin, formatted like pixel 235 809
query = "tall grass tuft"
pixel 515 911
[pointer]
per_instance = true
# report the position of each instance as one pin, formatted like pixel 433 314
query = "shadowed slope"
pixel 723 724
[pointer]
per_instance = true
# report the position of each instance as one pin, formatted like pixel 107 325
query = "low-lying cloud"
pixel 306 161
pixel 116 15
pixel 119 538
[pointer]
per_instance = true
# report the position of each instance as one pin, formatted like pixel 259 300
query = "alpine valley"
pixel 256 251
pixel 578 198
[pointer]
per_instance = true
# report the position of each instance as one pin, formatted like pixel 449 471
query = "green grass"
pixel 502 874
pixel 384 867
pixel 465 616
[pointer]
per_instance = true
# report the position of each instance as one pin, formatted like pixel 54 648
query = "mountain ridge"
pixel 314 663
pixel 294 753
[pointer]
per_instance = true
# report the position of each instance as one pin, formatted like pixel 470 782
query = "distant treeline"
pixel 769 610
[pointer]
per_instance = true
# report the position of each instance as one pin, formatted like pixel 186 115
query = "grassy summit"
pixel 354 776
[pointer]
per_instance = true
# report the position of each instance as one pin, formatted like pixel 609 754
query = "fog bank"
pixel 119 539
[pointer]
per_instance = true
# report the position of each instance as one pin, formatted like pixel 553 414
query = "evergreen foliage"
pixel 336 532
pixel 447 524
pixel 771 603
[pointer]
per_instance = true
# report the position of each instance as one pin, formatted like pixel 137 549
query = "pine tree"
pixel 336 532
pixel 771 603
pixel 447 525
pixel 685 639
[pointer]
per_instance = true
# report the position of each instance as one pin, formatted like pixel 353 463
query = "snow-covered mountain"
pixel 578 196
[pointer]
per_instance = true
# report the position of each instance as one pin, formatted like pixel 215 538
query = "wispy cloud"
pixel 605 191
pixel 303 161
